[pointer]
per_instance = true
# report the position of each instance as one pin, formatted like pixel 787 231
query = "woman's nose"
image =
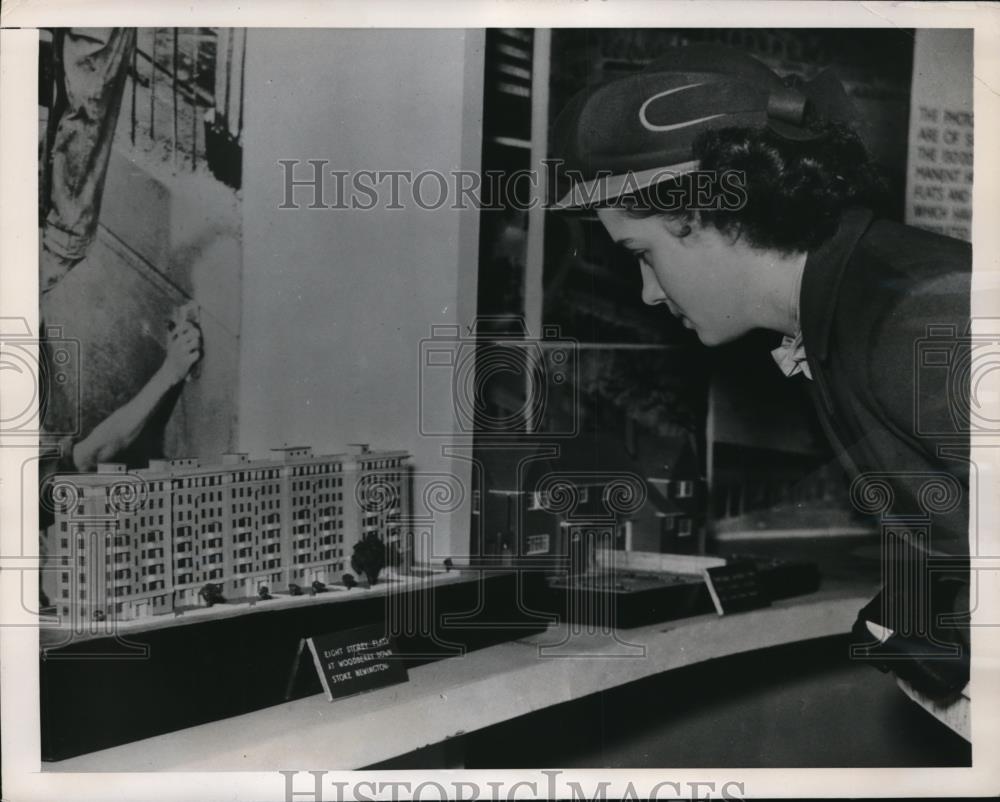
pixel 652 292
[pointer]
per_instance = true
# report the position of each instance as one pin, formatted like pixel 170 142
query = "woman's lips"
pixel 677 313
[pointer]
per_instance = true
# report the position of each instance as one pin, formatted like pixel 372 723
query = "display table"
pixel 955 715
pixel 451 697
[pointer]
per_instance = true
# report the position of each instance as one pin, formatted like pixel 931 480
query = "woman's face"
pixel 697 276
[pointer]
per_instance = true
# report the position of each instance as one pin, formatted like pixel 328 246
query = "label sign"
pixel 356 660
pixel 940 198
pixel 939 174
pixel 735 587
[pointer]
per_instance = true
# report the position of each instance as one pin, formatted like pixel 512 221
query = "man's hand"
pixel 183 351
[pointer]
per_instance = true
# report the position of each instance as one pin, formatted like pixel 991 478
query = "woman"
pixel 748 203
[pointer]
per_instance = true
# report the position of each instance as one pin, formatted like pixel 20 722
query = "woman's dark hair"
pixel 793 192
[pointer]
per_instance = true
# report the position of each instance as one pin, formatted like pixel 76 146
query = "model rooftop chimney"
pixel 293 452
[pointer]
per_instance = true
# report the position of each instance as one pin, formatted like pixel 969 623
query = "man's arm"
pixel 122 426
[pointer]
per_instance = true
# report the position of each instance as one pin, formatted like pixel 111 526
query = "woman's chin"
pixel 712 338
pixel 707 336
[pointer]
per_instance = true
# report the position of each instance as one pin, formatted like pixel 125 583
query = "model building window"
pixel 685 488
pixel 684 527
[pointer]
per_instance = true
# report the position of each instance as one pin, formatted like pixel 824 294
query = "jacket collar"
pixel 821 278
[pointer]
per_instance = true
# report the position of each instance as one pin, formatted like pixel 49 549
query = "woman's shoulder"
pixel 904 251
pixel 900 284
pixel 904 291
pixel 899 277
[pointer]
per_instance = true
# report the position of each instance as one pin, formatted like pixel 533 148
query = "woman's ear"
pixel 679 226
pixel 734 233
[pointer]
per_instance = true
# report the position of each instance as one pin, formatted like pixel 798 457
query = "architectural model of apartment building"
pixel 130 544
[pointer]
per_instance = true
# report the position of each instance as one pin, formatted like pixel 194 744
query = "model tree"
pixel 349 581
pixel 369 557
pixel 211 593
